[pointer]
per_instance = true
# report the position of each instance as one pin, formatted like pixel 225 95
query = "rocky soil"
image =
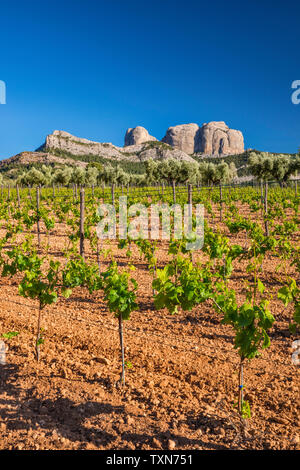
pixel 181 379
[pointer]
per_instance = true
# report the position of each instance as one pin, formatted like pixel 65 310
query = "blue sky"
pixel 95 68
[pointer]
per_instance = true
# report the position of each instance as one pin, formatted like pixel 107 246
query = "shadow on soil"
pixel 62 417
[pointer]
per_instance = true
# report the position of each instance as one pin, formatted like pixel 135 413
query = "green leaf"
pixel 260 286
pixel 10 334
pixel 66 293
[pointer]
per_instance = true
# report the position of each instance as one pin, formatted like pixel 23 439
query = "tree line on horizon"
pixel 261 165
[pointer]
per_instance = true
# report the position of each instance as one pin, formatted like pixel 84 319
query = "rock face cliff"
pixel 180 142
pixel 184 137
pixel 137 135
pixel 217 139
pixel 214 138
pixel 63 143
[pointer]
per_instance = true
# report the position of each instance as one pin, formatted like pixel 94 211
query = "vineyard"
pixel 140 343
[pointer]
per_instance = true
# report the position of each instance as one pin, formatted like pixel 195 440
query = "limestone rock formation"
pixel 180 142
pixel 160 152
pixel 217 139
pixel 137 135
pixel 61 143
pixel 65 142
pixel 184 137
pixel 214 138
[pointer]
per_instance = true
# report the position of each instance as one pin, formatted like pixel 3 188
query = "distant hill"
pixel 62 148
pixel 64 144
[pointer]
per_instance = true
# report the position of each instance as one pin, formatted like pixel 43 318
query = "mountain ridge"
pixel 184 142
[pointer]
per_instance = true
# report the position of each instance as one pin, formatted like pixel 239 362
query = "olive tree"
pixel 261 167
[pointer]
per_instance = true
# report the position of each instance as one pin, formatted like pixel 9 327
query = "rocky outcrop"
pixel 214 138
pixel 184 137
pixel 65 142
pixel 161 151
pixel 180 142
pixel 217 139
pixel 62 143
pixel 137 135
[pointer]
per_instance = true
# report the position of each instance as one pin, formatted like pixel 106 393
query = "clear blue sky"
pixel 95 68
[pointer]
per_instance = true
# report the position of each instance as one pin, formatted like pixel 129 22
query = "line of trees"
pixel 267 167
pixel 170 171
pixel 263 166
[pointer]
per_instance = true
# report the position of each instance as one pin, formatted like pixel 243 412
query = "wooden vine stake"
pixel 241 386
pixel 266 210
pixel 261 197
pixel 122 379
pixel 38 215
pixel 38 334
pixel 221 203
pixel 190 203
pixel 113 194
pixel 18 197
pixel 82 222
pixel 174 191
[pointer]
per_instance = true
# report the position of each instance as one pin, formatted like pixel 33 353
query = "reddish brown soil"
pixel 181 387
